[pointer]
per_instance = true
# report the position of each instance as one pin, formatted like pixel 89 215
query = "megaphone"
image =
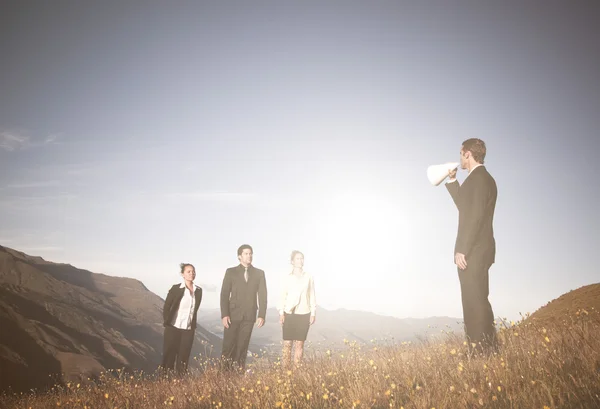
pixel 437 173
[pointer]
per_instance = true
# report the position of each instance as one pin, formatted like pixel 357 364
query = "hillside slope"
pixel 56 318
pixel 583 298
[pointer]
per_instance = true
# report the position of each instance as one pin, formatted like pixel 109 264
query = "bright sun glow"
pixel 362 226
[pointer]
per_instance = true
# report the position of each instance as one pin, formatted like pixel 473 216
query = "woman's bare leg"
pixel 298 351
pixel 287 354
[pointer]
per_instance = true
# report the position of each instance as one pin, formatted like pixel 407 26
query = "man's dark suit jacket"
pixel 238 297
pixel 173 299
pixel 476 201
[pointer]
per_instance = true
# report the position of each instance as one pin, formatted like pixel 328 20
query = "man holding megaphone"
pixel 475 247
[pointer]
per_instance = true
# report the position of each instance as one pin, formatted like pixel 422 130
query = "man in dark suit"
pixel 475 247
pixel 242 285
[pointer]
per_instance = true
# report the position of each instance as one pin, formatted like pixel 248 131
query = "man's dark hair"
pixel 476 147
pixel 244 246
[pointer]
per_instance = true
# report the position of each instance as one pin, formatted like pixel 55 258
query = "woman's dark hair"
pixel 184 265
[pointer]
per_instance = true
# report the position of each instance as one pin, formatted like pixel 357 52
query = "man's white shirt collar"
pixel 473 168
pixel 476 166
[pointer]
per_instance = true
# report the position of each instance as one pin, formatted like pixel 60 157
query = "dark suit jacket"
pixel 239 299
pixel 173 299
pixel 476 202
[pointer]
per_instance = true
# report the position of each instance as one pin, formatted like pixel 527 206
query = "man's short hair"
pixel 244 246
pixel 476 147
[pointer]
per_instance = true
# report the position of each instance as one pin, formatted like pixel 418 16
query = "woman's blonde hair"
pixel 294 254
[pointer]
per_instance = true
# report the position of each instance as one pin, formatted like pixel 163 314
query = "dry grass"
pixel 537 367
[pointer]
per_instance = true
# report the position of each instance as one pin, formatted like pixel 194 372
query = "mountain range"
pixel 60 323
pixel 332 327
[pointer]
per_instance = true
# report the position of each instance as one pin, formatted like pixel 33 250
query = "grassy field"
pixel 540 365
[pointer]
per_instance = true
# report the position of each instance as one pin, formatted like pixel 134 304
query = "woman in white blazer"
pixel 297 308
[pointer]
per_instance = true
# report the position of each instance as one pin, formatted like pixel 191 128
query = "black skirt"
pixel 295 327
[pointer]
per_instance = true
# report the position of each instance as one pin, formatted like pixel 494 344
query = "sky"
pixel 136 136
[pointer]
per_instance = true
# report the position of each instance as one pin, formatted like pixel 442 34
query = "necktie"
pixel 246 274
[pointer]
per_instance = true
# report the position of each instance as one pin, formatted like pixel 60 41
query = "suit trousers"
pixel 236 339
pixel 477 311
pixel 177 347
